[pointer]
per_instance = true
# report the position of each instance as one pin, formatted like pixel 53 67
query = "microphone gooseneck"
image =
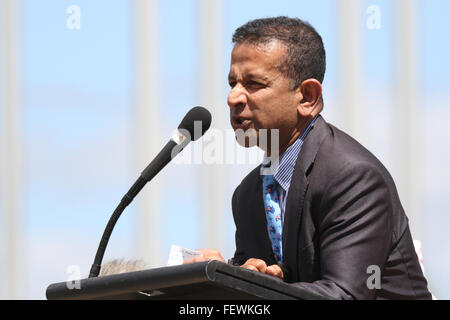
pixel 195 123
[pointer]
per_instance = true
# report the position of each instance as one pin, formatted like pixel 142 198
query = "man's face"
pixel 261 97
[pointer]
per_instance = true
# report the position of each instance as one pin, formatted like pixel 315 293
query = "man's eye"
pixel 232 84
pixel 254 84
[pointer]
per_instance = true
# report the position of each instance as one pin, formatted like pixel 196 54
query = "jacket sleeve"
pixel 354 231
pixel 239 254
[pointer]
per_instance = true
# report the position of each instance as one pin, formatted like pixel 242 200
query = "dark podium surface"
pixel 203 281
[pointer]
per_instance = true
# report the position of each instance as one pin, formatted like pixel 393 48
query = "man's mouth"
pixel 240 123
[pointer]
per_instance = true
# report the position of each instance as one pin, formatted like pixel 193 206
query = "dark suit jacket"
pixel 343 215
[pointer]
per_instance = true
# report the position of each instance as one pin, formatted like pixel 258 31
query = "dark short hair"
pixel 305 58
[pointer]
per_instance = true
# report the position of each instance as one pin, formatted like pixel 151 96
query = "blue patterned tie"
pixel 273 215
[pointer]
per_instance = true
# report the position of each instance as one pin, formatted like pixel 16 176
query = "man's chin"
pixel 247 143
pixel 246 139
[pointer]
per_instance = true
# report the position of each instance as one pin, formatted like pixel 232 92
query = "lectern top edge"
pixel 203 280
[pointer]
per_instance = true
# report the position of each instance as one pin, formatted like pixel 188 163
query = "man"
pixel 329 219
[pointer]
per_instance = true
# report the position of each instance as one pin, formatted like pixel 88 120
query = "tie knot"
pixel 266 164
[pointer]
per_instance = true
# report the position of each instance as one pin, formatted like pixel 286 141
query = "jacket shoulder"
pixel 341 150
pixel 250 179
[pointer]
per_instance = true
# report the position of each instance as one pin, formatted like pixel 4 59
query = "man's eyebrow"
pixel 256 77
pixel 249 76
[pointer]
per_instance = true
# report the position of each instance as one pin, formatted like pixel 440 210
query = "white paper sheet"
pixel 179 254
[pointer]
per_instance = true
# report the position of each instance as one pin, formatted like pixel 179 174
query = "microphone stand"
pixel 170 150
pixel 161 160
pixel 126 200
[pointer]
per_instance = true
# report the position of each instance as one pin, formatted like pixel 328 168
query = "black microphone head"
pixel 197 121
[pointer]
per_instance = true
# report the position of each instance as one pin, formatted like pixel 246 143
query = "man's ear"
pixel 310 94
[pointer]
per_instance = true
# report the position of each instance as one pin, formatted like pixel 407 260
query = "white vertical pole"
pixel 350 74
pixel 213 98
pixel 12 273
pixel 408 128
pixel 147 119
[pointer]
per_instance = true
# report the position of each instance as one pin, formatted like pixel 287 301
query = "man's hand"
pixel 207 255
pixel 261 266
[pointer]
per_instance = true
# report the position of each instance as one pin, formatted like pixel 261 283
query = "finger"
pixel 249 267
pixel 211 254
pixel 275 270
pixel 194 260
pixel 259 264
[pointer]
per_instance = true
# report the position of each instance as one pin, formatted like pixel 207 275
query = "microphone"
pixel 197 118
pixel 194 124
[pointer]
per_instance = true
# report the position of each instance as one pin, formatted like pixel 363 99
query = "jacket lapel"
pixel 296 195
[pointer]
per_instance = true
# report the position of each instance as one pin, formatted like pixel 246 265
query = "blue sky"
pixel 78 95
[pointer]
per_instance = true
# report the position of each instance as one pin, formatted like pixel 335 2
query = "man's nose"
pixel 237 96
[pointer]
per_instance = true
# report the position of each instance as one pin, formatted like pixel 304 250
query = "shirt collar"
pixel 284 171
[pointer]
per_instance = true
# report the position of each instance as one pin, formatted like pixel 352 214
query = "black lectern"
pixel 204 280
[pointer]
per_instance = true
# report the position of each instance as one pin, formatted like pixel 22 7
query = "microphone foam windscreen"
pixel 197 118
